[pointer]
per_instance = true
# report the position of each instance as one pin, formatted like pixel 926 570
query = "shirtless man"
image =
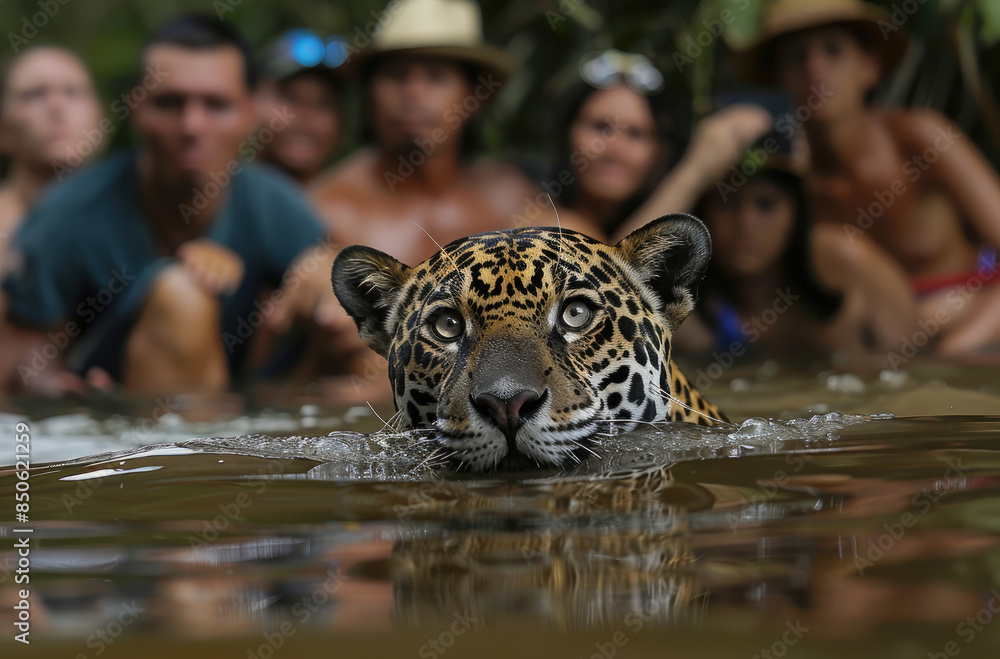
pixel 906 178
pixel 49 118
pixel 416 187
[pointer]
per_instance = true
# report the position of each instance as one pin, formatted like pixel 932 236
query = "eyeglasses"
pixel 611 66
pixel 309 49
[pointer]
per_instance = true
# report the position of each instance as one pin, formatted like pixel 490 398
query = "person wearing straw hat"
pixel 426 75
pixel 906 178
pixel 418 184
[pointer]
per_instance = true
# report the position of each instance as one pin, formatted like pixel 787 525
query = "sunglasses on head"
pixel 309 49
pixel 614 66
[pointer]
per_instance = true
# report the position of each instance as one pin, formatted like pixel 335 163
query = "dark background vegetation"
pixel 951 66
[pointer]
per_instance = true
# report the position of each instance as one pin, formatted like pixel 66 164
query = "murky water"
pixel 817 533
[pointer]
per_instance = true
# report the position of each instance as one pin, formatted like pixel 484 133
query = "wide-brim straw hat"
pixel 443 28
pixel 784 17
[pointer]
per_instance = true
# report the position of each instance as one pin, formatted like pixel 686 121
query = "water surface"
pixel 862 518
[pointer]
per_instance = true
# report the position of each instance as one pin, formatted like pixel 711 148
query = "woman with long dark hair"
pixel 623 133
pixel 625 154
pixel 779 286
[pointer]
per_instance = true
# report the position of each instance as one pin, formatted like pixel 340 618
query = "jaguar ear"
pixel 367 282
pixel 669 255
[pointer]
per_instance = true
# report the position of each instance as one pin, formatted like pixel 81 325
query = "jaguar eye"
pixel 577 314
pixel 448 325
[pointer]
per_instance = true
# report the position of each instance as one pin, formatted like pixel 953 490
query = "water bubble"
pixel 752 427
pixel 894 379
pixel 740 384
pixel 171 420
pixel 768 369
pixel 846 383
pixel 356 412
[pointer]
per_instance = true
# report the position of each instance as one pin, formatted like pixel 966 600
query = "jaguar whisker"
pixel 669 396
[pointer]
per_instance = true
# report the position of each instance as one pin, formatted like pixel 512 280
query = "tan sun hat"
pixel 784 17
pixel 447 28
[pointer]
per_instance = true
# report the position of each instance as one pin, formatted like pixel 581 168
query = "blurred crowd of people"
pixel 202 259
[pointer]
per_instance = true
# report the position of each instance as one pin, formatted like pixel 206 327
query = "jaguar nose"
pixel 509 413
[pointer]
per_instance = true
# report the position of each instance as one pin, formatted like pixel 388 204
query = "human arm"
pixel 979 329
pixel 857 268
pixel 334 348
pixel 32 362
pixel 306 293
pixel 719 141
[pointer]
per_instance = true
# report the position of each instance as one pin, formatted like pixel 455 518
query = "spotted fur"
pixel 485 342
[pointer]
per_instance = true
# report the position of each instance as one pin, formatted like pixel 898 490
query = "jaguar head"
pixel 521 342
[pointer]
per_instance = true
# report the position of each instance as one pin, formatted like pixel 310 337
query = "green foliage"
pixel 990 12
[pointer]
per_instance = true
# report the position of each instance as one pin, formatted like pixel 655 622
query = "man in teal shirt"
pixel 148 269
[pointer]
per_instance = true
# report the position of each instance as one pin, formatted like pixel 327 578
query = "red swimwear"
pixel 986 271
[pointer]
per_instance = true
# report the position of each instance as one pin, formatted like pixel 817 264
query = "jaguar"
pixel 523 342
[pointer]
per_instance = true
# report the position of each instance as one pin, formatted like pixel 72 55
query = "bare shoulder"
pixel 349 176
pixel 489 166
pixel 341 193
pixel 514 195
pixel 918 127
pixel 502 181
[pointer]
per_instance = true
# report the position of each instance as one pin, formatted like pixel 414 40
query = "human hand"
pixel 60 382
pixel 722 138
pixel 216 267
pixel 306 294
